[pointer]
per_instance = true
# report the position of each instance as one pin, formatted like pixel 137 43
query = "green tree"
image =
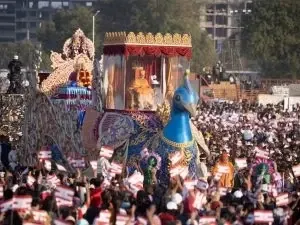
pixel 272 36
pixel 53 34
pixel 163 16
pixel 27 52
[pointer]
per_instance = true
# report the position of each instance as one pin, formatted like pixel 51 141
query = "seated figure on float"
pixel 141 92
pixel 81 77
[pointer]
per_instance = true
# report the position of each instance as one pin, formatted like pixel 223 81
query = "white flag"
pixel 22 202
pixel 261 154
pixel 296 170
pixel 207 220
pixel 7 205
pixel 61 168
pixel 78 163
pixel 64 193
pixel 263 216
pixel 30 180
pixel 1 191
pixel 42 155
pixel 104 218
pixel 60 222
pixel 241 163
pixel 190 184
pixel 282 199
pixel 122 220
pixel 63 202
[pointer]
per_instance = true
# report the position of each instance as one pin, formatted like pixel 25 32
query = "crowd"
pixel 256 147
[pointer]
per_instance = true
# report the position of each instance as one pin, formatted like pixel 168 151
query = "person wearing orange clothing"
pixel 225 170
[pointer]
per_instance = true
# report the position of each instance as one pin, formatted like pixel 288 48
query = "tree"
pixel 271 36
pixel 53 34
pixel 27 52
pixel 167 16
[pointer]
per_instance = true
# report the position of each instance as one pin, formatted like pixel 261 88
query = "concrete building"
pixel 20 19
pixel 222 18
pixel 7 20
pixel 222 21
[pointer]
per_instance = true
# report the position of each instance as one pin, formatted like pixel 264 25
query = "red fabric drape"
pixel 137 50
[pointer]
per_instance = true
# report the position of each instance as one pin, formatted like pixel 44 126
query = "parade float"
pixel 49 115
pixel 79 108
pixel 143 84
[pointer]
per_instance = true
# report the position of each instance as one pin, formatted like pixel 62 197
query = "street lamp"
pixel 98 11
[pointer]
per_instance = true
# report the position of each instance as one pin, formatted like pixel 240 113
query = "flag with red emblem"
pixel 263 216
pixel 141 221
pixel 60 222
pixel 106 152
pixel 190 184
pixel 22 202
pixel 104 218
pixel 296 170
pixel 262 154
pixel 64 193
pixel 282 199
pixel 241 163
pixel 1 191
pixel 44 154
pixel 53 180
pixel 122 219
pixel 7 205
pixel 207 220
pixel 31 223
pixel 78 163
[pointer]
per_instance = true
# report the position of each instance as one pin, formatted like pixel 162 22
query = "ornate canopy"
pixel 122 43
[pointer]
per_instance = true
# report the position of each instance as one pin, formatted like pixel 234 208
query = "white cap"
pixel 177 198
pixel 16 57
pixel 172 206
pixel 238 194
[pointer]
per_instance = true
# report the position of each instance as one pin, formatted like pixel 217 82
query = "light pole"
pixel 98 11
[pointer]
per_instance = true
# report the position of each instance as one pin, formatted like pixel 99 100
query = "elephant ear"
pixel 114 129
pixel 198 136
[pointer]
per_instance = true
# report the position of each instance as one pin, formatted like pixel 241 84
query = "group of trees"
pixel 29 53
pixel 272 37
pixel 171 16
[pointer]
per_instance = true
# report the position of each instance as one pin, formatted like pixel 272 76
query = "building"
pixel 222 21
pixel 20 19
pixel 222 18
pixel 7 20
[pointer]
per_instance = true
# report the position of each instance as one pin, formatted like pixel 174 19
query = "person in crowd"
pixel 253 165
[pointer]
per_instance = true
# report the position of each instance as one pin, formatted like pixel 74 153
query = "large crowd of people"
pixel 250 177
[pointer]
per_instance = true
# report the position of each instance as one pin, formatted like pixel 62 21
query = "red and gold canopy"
pixel 131 44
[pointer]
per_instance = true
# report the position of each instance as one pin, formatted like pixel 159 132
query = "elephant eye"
pixel 177 98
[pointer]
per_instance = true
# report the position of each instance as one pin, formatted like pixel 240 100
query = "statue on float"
pixel 15 77
pixel 74 66
pixel 141 92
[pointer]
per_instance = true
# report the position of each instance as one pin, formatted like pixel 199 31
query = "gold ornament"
pixel 123 38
